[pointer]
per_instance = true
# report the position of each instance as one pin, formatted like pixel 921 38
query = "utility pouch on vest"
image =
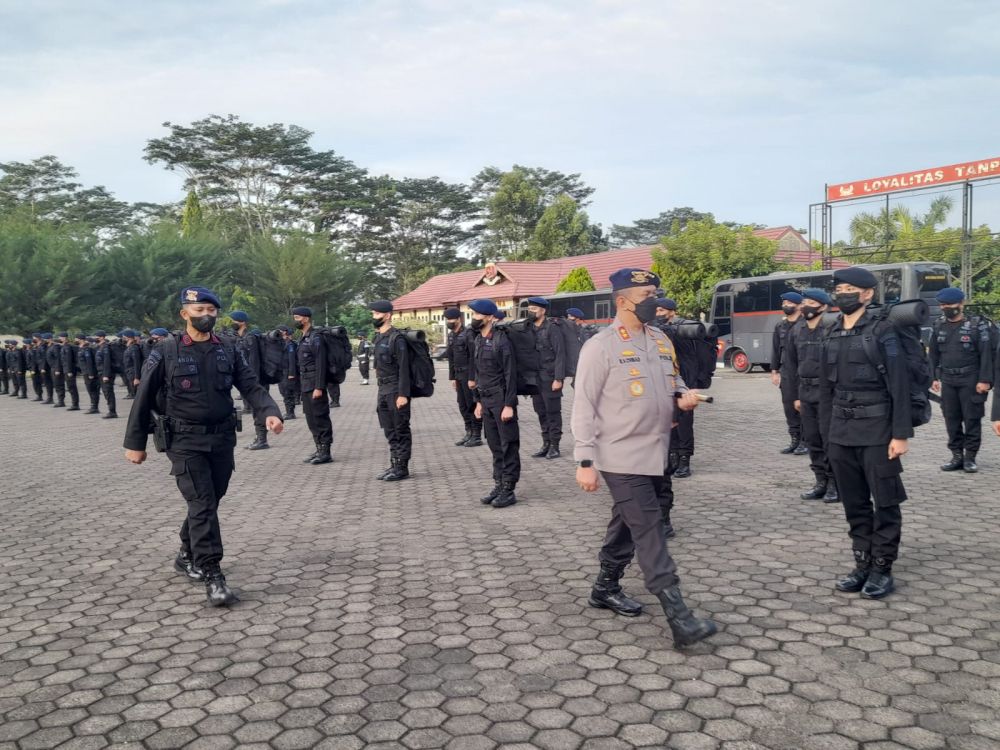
pixel 161 433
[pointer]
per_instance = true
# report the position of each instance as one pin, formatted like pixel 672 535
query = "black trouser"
pixel 22 384
pixel 864 473
pixel 4 379
pixel 202 466
pixel 47 384
pixel 363 368
pixel 317 411
pixel 788 397
pixel 548 407
pixel 74 392
pixel 814 431
pixel 504 439
pixel 636 527
pixel 289 390
pixel 467 403
pixel 130 377
pixel 36 382
pixel 59 385
pixel 963 411
pixel 108 391
pixel 666 493
pixel 682 436
pixel 395 423
pixel 260 418
pixel 334 390
pixel 93 390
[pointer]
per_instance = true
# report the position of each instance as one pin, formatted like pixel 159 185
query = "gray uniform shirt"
pixel 623 406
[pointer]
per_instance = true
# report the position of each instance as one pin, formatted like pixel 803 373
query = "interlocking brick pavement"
pixel 408 615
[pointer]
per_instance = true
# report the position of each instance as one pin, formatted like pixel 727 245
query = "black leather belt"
pixel 958 370
pixel 861 411
pixel 178 427
pixel 809 381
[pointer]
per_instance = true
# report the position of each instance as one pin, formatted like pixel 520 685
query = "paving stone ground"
pixel 410 616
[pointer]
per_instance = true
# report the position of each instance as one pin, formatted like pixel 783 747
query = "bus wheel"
pixel 739 361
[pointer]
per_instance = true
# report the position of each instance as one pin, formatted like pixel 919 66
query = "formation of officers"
pixel 848 406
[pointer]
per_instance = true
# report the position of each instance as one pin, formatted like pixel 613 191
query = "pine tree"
pixel 577 280
pixel 191 219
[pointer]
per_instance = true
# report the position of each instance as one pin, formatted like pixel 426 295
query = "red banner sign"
pixel 973 170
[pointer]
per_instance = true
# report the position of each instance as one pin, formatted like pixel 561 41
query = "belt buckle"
pixel 848 412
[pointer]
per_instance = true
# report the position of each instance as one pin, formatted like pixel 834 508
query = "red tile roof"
pixel 526 279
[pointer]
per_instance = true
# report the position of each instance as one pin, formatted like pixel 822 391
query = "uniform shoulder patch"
pixel 154 358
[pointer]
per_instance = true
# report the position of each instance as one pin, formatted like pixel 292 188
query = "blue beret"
pixel 100 334
pixel 855 276
pixel 25 341
pixel 191 295
pixel 576 312
pixel 239 316
pixel 46 336
pixel 63 335
pixel 452 313
pixel 159 332
pixel 816 295
pixel 666 303
pixel 500 315
pixel 81 337
pixel 483 306
pixel 539 301
pixel 283 329
pixel 627 278
pixel 792 297
pixel 950 296
pixel 380 306
pixel 305 312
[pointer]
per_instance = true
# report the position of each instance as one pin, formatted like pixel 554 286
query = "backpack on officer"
pixel 422 375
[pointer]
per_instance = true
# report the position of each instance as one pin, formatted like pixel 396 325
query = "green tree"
pixel 562 230
pixel 691 262
pixel 191 218
pixel 577 280
pixel 513 212
pixel 651 231
pixel 868 229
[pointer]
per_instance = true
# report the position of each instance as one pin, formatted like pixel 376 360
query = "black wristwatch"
pixel 585 463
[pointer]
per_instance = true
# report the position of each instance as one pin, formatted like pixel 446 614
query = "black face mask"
pixel 478 323
pixel 788 309
pixel 645 311
pixel 378 322
pixel 203 323
pixel 300 324
pixel 810 312
pixel 848 302
pixel 951 312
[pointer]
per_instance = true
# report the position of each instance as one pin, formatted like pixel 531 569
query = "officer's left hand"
pixel 982 387
pixel 274 424
pixel 136 457
pixel 898 448
pixel 996 427
pixel 401 401
pixel 506 414
pixel 557 385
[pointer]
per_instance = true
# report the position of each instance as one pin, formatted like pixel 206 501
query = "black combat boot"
pixel 60 404
pixel 801 449
pixel 309 459
pixel 553 450
pixel 289 413
pixel 465 439
pixel 110 415
pixel 184 563
pixel 543 451
pixel 260 441
pixel 400 472
pixel 855 580
pixel 74 407
pixel 334 404
pixel 476 437
pixel 687 628
pixel 791 446
pixel 93 410
pixel 506 497
pixel 492 495
pixel 388 471
pixel 831 496
pixel 818 490
pixel 969 465
pixel 683 470
pixel 37 398
pixel 668 526
pixel 322 455
pixel 956 463
pixel 607 592
pixel 880 583
pixel 48 401
pixel 216 590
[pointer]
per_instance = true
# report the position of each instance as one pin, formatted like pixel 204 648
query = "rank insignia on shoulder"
pixel 636 388
pixel 628 353
pixel 623 333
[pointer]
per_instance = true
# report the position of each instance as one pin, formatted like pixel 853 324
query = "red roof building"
pixel 509 282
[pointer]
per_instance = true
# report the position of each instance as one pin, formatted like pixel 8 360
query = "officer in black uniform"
pixel 42 360
pixel 195 394
pixel 583 331
pixel 961 354
pixel 36 356
pixel 23 362
pixel 459 353
pixel 782 376
pixel 870 428
pixel 552 372
pixel 5 368
pixel 682 434
pixel 87 366
pixel 288 387
pixel 70 369
pixel 392 368
pixel 995 412
pixel 493 381
pixel 313 372
pixel 53 362
pixel 106 372
pixel 364 357
pixel 248 341
pixel 132 361
pixel 805 353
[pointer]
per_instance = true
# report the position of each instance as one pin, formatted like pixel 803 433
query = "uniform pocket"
pixel 889 489
pixel 178 467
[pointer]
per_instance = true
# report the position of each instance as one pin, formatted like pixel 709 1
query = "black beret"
pixel 305 312
pixel 192 295
pixel 380 306
pixel 666 303
pixel 855 276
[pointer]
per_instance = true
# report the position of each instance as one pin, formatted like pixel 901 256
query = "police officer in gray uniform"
pixel 626 385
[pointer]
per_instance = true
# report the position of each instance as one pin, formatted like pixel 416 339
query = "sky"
pixel 745 109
